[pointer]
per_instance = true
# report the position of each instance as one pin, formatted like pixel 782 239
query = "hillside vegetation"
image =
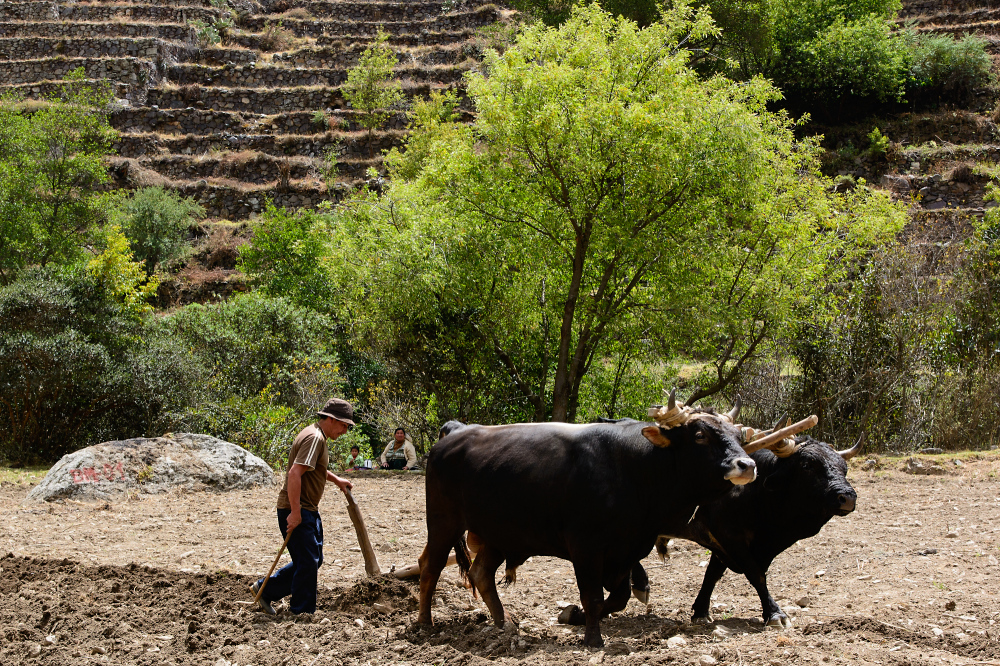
pixel 215 215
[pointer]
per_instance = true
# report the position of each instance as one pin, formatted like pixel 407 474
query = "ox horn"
pixel 778 435
pixel 847 454
pixel 734 413
pixel 783 421
pixel 672 399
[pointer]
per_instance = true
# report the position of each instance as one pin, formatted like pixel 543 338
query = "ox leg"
pixel 432 561
pixel 483 576
pixel 703 602
pixel 773 615
pixel 640 583
pixel 616 601
pixel 588 579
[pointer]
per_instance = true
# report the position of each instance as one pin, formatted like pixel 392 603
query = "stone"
pixel 805 602
pixel 360 623
pixel 707 660
pixel 931 450
pixel 895 183
pixel 915 466
pixel 937 631
pixel 152 465
pixel 676 642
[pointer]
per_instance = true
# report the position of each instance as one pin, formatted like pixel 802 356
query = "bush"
pixel 285 256
pixel 847 62
pixel 156 223
pixel 275 37
pixel 205 34
pixel 944 67
pixel 252 343
pixel 75 368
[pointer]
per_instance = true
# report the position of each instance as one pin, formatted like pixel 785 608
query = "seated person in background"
pixel 353 460
pixel 399 453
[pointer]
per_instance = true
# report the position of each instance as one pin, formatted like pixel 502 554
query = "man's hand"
pixel 294 520
pixel 343 484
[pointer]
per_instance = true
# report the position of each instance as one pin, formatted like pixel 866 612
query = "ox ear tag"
pixel 655 435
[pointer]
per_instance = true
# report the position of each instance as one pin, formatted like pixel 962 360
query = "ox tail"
pixel 661 548
pixel 510 577
pixel 463 558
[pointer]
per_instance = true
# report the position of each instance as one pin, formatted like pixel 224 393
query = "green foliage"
pixel 50 171
pixel 606 201
pixel 328 165
pixel 878 144
pixel 370 88
pixel 432 117
pixel 120 277
pixel 846 61
pixel 252 342
pixel 284 258
pixel 156 222
pixel 320 121
pixel 205 34
pixel 945 67
pixel 75 369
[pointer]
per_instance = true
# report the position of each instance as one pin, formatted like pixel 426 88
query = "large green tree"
pixel 604 194
pixel 51 170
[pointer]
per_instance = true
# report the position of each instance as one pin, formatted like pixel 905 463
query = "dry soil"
pixel 910 578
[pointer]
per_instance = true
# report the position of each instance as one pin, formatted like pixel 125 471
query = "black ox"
pixel 793 498
pixel 597 495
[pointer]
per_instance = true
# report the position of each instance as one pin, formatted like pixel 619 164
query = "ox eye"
pixel 700 436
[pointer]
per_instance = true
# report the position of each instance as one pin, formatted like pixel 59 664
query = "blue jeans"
pixel 299 577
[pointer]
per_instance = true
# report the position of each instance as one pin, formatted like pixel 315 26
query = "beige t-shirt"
pixel 309 449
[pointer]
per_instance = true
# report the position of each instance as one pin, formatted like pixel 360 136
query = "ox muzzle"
pixel 844 501
pixel 742 471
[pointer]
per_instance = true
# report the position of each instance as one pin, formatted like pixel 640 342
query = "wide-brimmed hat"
pixel 338 409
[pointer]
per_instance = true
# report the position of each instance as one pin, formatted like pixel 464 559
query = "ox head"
pixel 703 436
pixel 814 478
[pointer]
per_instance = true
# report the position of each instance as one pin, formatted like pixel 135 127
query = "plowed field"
pixel 910 578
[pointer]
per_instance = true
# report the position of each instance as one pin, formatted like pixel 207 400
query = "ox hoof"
pixel 702 619
pixel 779 621
pixel 593 641
pixel 641 594
pixel 572 614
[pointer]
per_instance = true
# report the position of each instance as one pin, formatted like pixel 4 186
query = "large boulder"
pixel 153 465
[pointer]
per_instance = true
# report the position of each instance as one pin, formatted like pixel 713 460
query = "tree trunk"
pixel 563 384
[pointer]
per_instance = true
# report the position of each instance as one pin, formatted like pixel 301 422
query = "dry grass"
pixel 296 13
pixel 962 173
pixel 22 475
pixel 275 37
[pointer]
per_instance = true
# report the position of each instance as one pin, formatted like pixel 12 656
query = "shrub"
pixel 275 37
pixel 845 63
pixel 252 342
pixel 878 143
pixel 76 369
pixel 320 121
pixel 156 222
pixel 205 34
pixel 944 67
pixel 285 256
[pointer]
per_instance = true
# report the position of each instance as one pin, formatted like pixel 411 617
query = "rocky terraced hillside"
pixel 940 160
pixel 260 113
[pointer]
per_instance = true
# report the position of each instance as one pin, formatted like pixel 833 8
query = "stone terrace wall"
pixel 94 30
pixel 121 47
pixel 913 8
pixel 393 26
pixel 41 11
pixel 281 77
pixel 338 58
pixel 348 145
pixel 121 70
pixel 369 12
